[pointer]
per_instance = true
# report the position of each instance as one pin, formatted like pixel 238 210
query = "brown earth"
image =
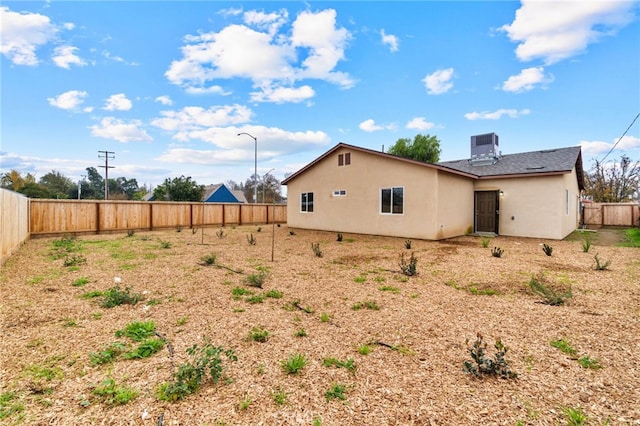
pixel 418 336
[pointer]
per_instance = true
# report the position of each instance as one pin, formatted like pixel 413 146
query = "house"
pixel 221 194
pixel 358 190
pixel 218 193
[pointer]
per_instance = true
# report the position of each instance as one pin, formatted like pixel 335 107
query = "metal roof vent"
pixel 484 149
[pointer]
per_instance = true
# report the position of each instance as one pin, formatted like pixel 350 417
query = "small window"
pixel 306 202
pixel 340 193
pixel 344 159
pixel 392 200
pixel 340 159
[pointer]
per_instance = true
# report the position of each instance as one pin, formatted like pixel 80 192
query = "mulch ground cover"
pixel 379 347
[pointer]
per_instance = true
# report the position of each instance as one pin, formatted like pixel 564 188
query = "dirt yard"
pixel 391 345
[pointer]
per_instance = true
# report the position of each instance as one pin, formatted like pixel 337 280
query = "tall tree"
pixel 35 190
pixel 270 190
pixel 95 188
pixel 179 189
pixel 58 184
pixel 424 148
pixel 13 180
pixel 613 182
pixel 249 188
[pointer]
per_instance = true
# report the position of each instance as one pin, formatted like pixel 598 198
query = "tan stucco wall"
pixel 430 210
pixel 536 206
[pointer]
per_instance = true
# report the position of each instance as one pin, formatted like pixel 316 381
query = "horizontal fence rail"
pixel 97 216
pixel 611 214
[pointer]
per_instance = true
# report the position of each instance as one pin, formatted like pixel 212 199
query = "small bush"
pixel 364 349
pixel 586 244
pixel 574 416
pixel 550 296
pixel 108 354
pixel 336 392
pixel 408 268
pixel 80 282
pixel 251 240
pixel 390 288
pixel 301 333
pixel 485 241
pixel 349 364
pixel 564 347
pixel 112 394
pixel 145 349
pixel 601 266
pixel 279 396
pixel 220 233
pixel 130 232
pixel 258 334
pixel 165 244
pixel 481 365
pixel 407 244
pixel 115 296
pixel 138 331
pixel 189 377
pixel 325 317
pixel 209 259
pixel 497 252
pixel 316 249
pixel 547 249
pixel 75 260
pixel 255 298
pixel 256 280
pixel 588 362
pixel 367 304
pixel 274 294
pixel 294 364
pixel 339 237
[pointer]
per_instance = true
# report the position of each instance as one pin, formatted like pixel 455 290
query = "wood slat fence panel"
pixel 95 216
pixel 611 214
pixel 14 222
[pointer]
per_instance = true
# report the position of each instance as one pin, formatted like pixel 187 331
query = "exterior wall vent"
pixel 484 149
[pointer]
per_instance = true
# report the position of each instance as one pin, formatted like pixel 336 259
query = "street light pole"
pixel 255 166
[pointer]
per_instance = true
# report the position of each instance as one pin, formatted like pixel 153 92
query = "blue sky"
pixel 168 86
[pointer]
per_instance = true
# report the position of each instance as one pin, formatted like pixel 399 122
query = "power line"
pixel 619 139
pixel 107 155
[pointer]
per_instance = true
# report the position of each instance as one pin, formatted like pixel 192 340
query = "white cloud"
pixel 595 148
pixel 370 125
pixel 419 123
pixel 266 54
pixel 119 130
pixel 496 115
pixel 188 122
pixel 118 102
pixel 21 34
pixel 439 81
pixel 164 100
pixel 390 40
pixel 65 56
pixel 553 31
pixel 70 100
pixel 281 95
pixel 526 80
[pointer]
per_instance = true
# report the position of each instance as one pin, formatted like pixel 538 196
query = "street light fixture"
pixel 255 166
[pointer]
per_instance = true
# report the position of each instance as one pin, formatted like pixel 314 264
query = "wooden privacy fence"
pixel 92 216
pixel 611 214
pixel 14 223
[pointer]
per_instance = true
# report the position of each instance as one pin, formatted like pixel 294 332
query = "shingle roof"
pixel 548 161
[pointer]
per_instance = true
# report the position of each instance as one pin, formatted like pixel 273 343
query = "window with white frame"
pixel 306 202
pixel 340 193
pixel 392 200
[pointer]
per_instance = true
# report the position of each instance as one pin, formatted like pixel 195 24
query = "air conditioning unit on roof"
pixel 484 149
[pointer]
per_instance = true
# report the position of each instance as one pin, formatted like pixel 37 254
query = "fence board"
pixel 14 222
pixel 95 216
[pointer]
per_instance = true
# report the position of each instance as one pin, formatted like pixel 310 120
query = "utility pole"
pixel 107 155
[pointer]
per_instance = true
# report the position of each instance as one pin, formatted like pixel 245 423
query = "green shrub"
pixel 408 268
pixel 564 346
pixel 145 349
pixel 274 294
pixel 369 304
pixel 255 298
pixel 485 241
pixel 115 296
pixel 364 349
pixel 80 282
pixel 112 394
pixel 301 333
pixel 165 244
pixel 256 280
pixel 9 405
pixel 481 365
pixel 574 416
pixel 336 392
pixel 349 364
pixel 108 354
pixel 189 377
pixel 588 362
pixel 294 364
pixel 220 233
pixel 586 244
pixel 316 249
pixel 601 266
pixel 279 396
pixel 74 260
pixel 137 330
pixel 550 297
pixel 209 259
pixel 258 334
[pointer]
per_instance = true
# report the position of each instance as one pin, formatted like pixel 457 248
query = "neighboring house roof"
pixel 219 193
pixel 546 162
pixel 239 195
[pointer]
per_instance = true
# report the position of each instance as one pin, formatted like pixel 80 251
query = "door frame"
pixel 497 210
